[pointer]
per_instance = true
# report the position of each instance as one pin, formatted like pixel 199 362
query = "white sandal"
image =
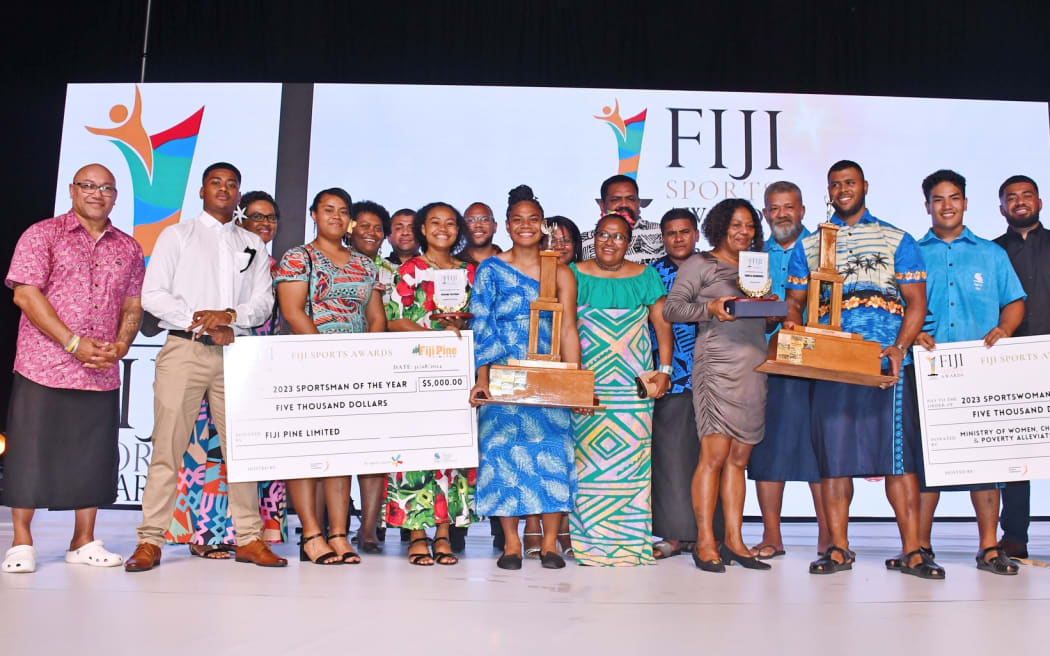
pixel 20 559
pixel 532 552
pixel 93 554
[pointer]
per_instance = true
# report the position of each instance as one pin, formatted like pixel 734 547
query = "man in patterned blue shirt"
pixel 786 452
pixel 972 293
pixel 858 430
pixel 676 446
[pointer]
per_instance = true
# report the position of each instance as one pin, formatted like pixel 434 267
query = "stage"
pixel 189 606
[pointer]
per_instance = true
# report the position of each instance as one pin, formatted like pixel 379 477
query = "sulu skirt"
pixel 62 448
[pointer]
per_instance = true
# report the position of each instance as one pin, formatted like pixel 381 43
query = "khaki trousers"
pixel 187 370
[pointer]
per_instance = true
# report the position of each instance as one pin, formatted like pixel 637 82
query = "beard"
pixel 785 234
pixel 1023 224
pixel 483 243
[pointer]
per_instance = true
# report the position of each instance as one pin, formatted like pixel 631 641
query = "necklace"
pixel 601 266
pixel 435 264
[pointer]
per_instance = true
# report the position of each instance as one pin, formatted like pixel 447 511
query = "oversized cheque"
pixel 985 412
pixel 326 405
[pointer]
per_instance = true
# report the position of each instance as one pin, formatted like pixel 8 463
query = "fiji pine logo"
pixel 159 165
pixel 432 351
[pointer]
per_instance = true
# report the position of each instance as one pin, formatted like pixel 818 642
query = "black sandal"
pixel 828 565
pixel 348 556
pixel 894 564
pixel 320 560
pixel 926 569
pixel 417 559
pixel 443 557
pixel 1001 564
pixel 206 550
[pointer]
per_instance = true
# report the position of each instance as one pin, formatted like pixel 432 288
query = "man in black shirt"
pixel 1027 243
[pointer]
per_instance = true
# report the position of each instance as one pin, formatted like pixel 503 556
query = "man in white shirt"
pixel 207 281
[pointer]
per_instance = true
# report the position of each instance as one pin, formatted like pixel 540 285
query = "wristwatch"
pixel 232 313
pixel 903 349
pixel 665 369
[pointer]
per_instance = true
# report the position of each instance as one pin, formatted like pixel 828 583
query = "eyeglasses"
pixel 259 218
pixel 561 242
pixel 616 238
pixel 89 188
pixel 479 219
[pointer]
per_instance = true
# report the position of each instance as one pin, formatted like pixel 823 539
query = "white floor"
pixel 189 606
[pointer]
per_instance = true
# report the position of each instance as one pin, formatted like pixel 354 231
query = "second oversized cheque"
pixel 300 406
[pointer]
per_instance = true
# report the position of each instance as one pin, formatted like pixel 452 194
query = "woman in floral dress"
pixel 438 498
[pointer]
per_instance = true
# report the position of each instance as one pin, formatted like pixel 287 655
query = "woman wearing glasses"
pixel 325 287
pixel 616 300
pixel 201 516
pixel 565 239
pixel 729 396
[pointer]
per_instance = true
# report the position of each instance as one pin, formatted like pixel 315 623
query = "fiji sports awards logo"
pixel 629 134
pixel 159 165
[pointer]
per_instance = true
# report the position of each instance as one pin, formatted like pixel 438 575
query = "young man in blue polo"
pixel 972 293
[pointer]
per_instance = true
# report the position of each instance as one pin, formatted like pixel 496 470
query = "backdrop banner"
pixel 404 146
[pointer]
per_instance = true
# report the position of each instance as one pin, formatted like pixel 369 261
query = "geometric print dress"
pixel 612 522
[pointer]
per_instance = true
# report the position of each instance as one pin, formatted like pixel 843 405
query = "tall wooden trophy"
pixel 542 379
pixel 825 351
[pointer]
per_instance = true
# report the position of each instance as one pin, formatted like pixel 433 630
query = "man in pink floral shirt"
pixel 77 280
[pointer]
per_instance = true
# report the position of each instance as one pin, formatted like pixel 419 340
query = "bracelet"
pixel 665 369
pixel 903 350
pixel 73 344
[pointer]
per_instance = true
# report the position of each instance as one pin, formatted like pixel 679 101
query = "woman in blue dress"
pixel 527 458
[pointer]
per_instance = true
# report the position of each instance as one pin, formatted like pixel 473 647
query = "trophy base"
pixel 756 307
pixel 541 383
pixel 447 316
pixel 824 354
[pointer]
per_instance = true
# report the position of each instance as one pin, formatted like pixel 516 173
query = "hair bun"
pixel 520 193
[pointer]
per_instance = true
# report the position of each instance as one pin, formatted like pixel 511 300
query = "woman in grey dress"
pixel 728 394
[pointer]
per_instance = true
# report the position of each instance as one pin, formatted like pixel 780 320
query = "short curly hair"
pixel 716 223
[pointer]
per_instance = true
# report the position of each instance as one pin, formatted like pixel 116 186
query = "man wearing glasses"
pixel 206 282
pixel 77 280
pixel 481 227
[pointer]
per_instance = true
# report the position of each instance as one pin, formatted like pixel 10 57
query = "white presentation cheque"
pixel 302 406
pixel 985 412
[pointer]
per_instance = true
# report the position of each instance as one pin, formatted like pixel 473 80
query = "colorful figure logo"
pixel 629 135
pixel 159 166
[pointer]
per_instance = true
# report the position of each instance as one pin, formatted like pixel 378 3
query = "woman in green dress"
pixel 438 498
pixel 616 300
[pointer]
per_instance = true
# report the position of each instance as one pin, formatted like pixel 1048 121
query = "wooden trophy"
pixel 542 379
pixel 825 351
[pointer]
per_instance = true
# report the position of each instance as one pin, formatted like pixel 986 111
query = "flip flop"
pixel 20 559
pixel 664 549
pixel 93 554
pixel 776 552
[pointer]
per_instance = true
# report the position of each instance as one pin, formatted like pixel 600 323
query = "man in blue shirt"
pixel 786 452
pixel 972 293
pixel 858 430
pixel 676 447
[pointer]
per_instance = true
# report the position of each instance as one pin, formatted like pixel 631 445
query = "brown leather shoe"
pixel 145 558
pixel 258 552
pixel 1013 549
